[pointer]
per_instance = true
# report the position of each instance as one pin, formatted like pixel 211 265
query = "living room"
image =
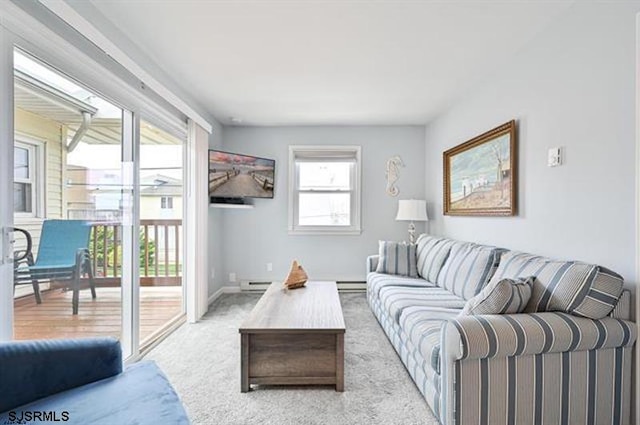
pixel 394 90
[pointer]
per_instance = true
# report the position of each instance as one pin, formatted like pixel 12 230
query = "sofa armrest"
pixel 486 336
pixel 30 370
pixel 372 263
pixel 622 310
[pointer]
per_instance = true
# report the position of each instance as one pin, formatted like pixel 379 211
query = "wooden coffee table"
pixel 294 337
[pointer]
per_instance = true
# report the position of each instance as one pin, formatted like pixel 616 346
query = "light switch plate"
pixel 554 157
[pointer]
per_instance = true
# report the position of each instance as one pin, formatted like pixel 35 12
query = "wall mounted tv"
pixel 233 177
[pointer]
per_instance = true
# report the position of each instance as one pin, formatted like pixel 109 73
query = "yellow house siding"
pixel 54 167
pixel 150 208
pixel 35 128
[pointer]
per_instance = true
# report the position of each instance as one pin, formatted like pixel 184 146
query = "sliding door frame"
pixel 6 185
pixel 130 280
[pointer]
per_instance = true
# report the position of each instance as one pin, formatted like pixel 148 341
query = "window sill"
pixel 325 232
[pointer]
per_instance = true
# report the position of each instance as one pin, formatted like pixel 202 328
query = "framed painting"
pixel 480 175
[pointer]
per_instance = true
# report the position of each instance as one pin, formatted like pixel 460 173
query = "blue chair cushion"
pixel 31 370
pixel 141 395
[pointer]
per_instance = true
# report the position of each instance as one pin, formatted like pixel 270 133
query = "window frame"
pixel 166 202
pixel 36 178
pixel 325 154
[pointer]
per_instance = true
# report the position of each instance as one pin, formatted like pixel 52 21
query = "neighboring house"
pixel 87 198
pixel 160 197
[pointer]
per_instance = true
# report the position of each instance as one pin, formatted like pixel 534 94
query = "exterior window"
pixel 324 190
pixel 25 179
pixel 166 202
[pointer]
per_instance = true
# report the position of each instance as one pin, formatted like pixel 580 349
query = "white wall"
pixel 574 87
pixel 251 238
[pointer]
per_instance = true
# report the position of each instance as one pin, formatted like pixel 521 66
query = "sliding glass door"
pixel 97 202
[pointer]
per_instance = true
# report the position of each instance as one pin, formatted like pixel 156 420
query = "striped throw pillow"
pixel 568 286
pixel 432 253
pixel 504 296
pixel 468 268
pixel 397 258
pixel 603 295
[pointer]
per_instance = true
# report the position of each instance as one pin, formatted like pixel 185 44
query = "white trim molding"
pixel 221 291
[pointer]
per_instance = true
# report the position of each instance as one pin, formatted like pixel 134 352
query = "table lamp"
pixel 412 210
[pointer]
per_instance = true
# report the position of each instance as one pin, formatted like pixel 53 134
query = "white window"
pixel 27 175
pixel 166 202
pixel 324 189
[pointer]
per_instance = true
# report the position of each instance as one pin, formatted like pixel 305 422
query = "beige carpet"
pixel 203 363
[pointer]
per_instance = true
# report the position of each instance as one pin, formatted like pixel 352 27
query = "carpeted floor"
pixel 203 363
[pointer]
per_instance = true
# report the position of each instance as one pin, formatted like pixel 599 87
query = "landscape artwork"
pixel 240 176
pixel 480 176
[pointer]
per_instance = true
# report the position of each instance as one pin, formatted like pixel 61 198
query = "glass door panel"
pixel 161 230
pixel 68 201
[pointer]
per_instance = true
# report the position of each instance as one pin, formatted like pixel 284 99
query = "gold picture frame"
pixel 481 175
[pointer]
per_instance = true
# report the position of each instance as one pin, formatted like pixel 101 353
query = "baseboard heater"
pixel 343 285
pixel 250 285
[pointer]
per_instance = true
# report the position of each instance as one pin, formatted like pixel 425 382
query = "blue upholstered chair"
pixel 83 380
pixel 63 256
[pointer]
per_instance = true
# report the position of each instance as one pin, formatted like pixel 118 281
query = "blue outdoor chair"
pixel 63 256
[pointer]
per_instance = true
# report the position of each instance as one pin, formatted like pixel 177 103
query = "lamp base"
pixel 412 233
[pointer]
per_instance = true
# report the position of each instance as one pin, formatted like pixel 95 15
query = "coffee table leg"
pixel 340 362
pixel 244 363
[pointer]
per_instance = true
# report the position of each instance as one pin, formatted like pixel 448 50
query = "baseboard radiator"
pixel 261 285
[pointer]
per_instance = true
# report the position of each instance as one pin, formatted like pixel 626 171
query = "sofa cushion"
pixel 423 326
pixel 140 395
pixel 395 299
pixel 468 268
pixel 504 296
pixel 377 281
pixel 397 258
pixel 432 253
pixel 572 287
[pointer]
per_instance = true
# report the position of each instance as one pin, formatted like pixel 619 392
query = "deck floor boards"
pixel 99 317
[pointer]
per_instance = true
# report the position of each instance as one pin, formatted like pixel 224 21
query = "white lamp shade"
pixel 412 210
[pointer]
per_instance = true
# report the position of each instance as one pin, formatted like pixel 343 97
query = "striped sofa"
pixel 567 360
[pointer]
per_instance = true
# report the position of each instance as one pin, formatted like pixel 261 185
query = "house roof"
pixel 160 185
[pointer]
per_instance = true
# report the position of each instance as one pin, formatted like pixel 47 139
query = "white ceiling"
pixel 329 62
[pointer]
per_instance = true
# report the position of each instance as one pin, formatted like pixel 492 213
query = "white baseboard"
pixel 342 287
pixel 223 290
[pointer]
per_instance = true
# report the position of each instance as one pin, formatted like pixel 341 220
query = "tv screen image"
pixel 234 175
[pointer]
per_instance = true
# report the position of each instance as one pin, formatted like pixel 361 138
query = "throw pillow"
pixel 504 296
pixel 397 258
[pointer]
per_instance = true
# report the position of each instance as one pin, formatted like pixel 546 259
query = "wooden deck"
pixel 99 317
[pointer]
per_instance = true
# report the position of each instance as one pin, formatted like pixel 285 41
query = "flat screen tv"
pixel 236 176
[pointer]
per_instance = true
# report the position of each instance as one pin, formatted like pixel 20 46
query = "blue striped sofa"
pixel 567 360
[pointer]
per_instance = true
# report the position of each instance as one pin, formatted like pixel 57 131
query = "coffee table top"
pixel 314 307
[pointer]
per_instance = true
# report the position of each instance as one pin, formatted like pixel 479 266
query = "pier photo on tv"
pixel 240 176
